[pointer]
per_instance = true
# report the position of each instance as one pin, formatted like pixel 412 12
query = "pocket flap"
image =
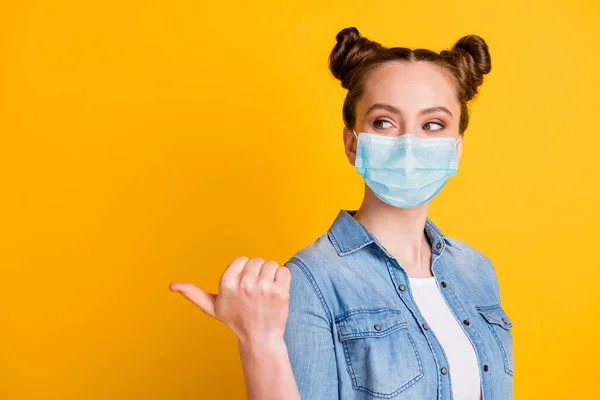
pixel 495 315
pixel 362 323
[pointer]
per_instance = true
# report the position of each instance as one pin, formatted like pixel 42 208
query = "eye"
pixel 428 125
pixel 380 124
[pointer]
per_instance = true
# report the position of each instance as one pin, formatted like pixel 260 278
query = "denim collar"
pixel 348 235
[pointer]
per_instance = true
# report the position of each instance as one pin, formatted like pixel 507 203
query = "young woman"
pixel 383 305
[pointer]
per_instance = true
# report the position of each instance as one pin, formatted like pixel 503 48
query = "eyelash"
pixel 428 122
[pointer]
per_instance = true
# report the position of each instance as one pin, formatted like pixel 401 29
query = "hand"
pixel 253 299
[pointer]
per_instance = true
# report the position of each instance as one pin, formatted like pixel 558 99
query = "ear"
pixel 459 146
pixel 350 144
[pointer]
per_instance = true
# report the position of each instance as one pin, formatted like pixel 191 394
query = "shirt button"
pixel 486 368
pixel 466 322
pixel 377 327
pixel 425 326
pixel 444 371
pixel 504 320
pixel 438 246
pixel 444 284
pixel 402 287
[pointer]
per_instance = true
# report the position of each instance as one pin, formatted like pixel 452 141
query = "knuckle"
pixel 238 260
pixel 227 284
pixel 284 274
pixel 271 263
pixel 246 286
pixel 283 294
pixel 264 287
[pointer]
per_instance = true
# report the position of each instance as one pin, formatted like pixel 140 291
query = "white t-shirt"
pixel 463 368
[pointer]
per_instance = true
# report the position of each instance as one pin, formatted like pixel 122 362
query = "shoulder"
pixel 318 259
pixel 319 262
pixel 474 263
pixel 314 269
pixel 469 252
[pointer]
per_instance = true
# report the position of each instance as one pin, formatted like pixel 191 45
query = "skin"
pixel 253 296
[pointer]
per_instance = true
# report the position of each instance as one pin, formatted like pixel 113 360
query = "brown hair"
pixel 354 56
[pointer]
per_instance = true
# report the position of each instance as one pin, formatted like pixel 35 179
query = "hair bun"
pixel 350 50
pixel 472 60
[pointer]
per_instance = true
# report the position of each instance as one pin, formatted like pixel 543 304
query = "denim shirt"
pixel 355 332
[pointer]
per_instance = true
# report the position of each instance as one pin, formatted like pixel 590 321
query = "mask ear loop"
pixel 355 135
pixel 457 140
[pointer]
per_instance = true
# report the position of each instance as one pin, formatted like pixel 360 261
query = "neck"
pixel 400 230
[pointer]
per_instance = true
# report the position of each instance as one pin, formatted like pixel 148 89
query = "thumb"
pixel 204 300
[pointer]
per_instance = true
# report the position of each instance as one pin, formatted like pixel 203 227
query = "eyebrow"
pixel 393 109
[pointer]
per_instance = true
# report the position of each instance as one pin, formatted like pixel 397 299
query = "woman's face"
pixel 399 98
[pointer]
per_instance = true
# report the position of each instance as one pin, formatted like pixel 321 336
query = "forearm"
pixel 267 371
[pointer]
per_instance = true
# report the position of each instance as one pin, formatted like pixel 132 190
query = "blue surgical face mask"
pixel 405 171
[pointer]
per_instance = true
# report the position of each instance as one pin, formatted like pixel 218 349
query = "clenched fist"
pixel 253 298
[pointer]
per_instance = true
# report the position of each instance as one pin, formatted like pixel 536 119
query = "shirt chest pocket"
pixel 380 354
pixel 500 325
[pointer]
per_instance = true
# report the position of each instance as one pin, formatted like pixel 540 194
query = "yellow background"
pixel 151 141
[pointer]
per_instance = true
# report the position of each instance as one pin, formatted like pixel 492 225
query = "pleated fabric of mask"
pixel 405 171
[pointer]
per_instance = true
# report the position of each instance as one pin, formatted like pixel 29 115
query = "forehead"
pixel 409 86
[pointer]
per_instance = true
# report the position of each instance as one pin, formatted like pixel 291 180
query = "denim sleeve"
pixel 309 339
